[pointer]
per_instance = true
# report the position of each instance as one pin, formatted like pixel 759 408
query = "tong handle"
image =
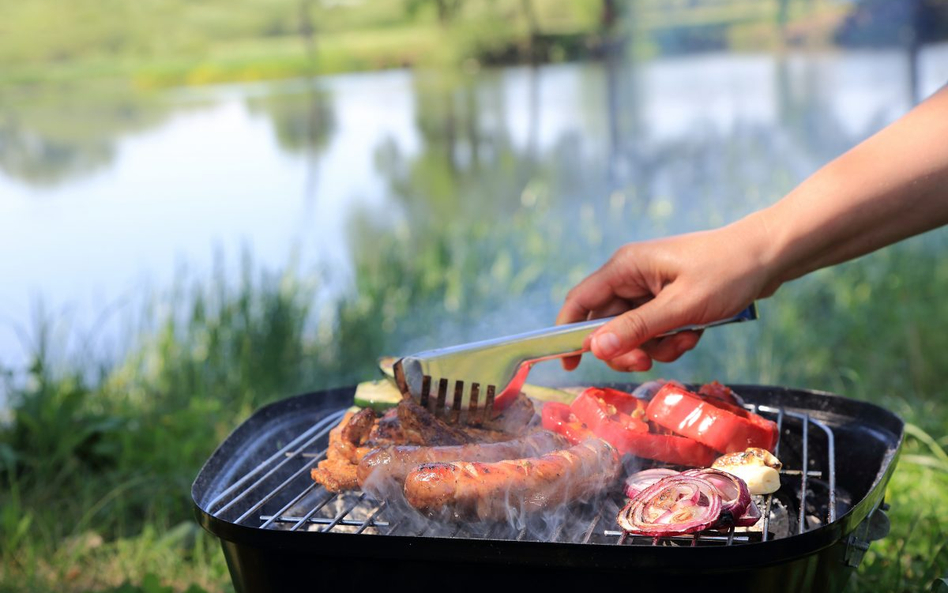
pixel 566 340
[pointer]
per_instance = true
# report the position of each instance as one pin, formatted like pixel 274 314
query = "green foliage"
pixel 177 42
pixel 150 584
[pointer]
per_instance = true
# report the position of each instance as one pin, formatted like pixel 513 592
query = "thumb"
pixel 636 326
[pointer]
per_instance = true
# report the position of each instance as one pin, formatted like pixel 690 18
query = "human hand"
pixel 657 286
pixel 889 187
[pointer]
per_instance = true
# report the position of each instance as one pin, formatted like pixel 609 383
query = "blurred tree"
pixel 303 122
pixel 894 22
pixel 447 10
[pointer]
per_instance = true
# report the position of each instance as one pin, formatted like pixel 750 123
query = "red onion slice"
pixel 672 506
pixel 735 497
pixel 750 517
pixel 639 481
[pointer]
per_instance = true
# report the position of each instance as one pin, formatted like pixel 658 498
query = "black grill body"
pixel 253 491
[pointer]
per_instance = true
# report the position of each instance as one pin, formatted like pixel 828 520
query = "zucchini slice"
pixel 387 366
pixel 547 394
pixel 379 395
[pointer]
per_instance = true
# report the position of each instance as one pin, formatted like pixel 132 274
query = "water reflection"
pixel 50 141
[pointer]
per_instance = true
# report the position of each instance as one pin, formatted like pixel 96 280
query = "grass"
pixel 153 44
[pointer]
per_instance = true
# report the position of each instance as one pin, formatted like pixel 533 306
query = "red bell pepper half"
pixel 710 421
pixel 619 418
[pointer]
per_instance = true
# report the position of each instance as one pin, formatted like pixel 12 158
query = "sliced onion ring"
pixel 750 517
pixel 735 497
pixel 674 505
pixel 639 481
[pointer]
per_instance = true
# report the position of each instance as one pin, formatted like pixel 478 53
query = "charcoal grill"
pixel 282 532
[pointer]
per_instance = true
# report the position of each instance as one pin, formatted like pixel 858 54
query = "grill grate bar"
pixel 765 527
pixel 370 520
pixel 558 532
pixel 289 505
pixel 321 427
pixel 831 468
pixel 342 514
pixel 803 474
pixel 313 511
pixel 732 536
pixel 395 526
pixel 269 495
pixel 779 429
pixel 587 535
pixel 319 520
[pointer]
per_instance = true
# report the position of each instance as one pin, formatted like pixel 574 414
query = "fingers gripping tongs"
pixel 482 376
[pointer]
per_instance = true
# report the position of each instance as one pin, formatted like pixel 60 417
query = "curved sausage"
pixel 496 491
pixel 384 468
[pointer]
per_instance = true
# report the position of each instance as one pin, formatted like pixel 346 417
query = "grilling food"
pixel 689 502
pixel 379 395
pixel 337 472
pixel 639 481
pixel 720 392
pixel 759 468
pixel 383 470
pixel 674 505
pixel 620 419
pixel 495 491
pixel 710 421
pixel 408 424
pixel 735 497
pixel 506 465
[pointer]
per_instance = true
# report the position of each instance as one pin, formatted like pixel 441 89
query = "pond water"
pixel 107 200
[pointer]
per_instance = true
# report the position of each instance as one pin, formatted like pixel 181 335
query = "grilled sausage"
pixel 384 468
pixel 501 490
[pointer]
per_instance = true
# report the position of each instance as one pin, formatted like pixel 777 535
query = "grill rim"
pixel 564 554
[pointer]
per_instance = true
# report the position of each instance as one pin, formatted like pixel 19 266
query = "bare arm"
pixel 892 186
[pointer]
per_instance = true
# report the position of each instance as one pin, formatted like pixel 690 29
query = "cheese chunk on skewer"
pixel 758 467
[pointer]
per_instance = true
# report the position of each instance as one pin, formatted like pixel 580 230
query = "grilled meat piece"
pixel 516 419
pixel 353 438
pixel 338 471
pixel 407 424
pixel 388 430
pixel 382 472
pixel 336 474
pixel 497 491
pixel 356 431
pixel 424 428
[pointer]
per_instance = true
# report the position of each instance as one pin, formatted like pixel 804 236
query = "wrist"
pixel 763 245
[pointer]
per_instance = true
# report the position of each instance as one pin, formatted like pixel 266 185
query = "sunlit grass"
pixel 160 44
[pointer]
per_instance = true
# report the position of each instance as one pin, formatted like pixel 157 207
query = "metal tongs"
pixel 495 370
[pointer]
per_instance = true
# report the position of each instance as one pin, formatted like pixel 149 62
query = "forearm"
pixel 892 186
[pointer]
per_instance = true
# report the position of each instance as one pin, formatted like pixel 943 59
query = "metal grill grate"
pixel 279 494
